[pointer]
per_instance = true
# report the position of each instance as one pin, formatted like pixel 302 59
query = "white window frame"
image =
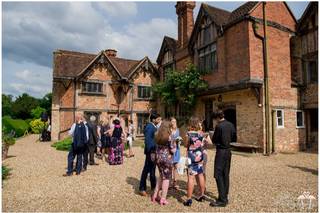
pixel 282 112
pixel 303 124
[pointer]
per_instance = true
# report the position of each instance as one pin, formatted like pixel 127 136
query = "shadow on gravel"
pixel 134 182
pixel 305 169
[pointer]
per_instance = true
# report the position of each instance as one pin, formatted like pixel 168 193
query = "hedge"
pixel 19 126
pixel 63 145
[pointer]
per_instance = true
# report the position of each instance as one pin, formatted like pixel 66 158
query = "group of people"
pixel 162 150
pixel 106 140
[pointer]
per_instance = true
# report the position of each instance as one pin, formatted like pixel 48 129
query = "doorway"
pixel 230 114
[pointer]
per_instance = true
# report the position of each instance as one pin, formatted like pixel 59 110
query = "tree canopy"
pixel 25 106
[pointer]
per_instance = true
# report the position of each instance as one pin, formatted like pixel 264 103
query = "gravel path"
pixel 258 183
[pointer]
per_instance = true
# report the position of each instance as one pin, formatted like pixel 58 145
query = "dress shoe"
pixel 218 203
pixel 94 164
pixel 67 175
pixel 200 199
pixel 143 193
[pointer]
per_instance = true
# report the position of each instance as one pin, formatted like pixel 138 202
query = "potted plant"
pixel 7 141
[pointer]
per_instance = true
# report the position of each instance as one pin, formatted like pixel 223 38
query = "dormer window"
pixel 167 62
pixel 205 33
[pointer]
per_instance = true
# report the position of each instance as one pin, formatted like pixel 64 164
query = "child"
pixel 164 161
pixel 175 136
pixel 195 159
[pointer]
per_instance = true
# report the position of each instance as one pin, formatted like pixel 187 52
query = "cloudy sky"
pixel 32 31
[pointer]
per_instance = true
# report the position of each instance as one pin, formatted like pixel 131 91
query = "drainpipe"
pixel 266 80
pixel 74 99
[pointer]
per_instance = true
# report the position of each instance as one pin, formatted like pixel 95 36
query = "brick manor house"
pixel 101 85
pixel 230 45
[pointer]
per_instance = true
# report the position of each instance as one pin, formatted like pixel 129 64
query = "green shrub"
pixel 37 126
pixel 19 126
pixel 5 172
pixel 8 139
pixel 36 112
pixel 63 145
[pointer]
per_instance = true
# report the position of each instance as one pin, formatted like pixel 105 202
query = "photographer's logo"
pixel 306 200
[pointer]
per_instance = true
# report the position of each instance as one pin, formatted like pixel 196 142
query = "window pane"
pixel 279 113
pixel 279 121
pixel 299 119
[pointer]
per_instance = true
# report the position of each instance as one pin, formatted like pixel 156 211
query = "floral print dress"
pixel 195 153
pixel 164 159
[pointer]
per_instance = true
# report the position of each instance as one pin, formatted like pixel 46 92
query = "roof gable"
pixel 218 16
pixel 146 65
pixel 70 64
pixel 312 7
pixel 168 43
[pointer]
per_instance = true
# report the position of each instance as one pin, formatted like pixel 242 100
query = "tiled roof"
pixel 242 11
pixel 70 63
pixel 171 42
pixel 219 16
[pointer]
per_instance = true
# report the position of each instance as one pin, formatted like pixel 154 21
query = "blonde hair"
pixel 104 120
pixel 164 132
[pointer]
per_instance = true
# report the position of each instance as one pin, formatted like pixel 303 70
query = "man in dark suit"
pixel 92 143
pixel 149 151
pixel 224 134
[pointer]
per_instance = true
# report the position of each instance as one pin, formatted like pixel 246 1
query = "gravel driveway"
pixel 258 183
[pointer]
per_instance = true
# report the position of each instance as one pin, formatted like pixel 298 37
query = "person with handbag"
pixel 149 151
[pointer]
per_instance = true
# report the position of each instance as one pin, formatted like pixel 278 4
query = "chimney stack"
pixel 184 10
pixel 111 53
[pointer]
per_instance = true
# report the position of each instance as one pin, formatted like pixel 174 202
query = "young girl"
pixel 105 138
pixel 195 159
pixel 164 161
pixel 130 138
pixel 175 134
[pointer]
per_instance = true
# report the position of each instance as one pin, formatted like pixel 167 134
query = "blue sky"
pixel 31 31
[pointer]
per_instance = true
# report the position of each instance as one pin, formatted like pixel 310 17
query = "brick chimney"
pixel 184 10
pixel 111 52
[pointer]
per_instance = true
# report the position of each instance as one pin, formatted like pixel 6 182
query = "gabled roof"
pixel 311 6
pixel 74 64
pixel 168 43
pixel 242 11
pixel 219 16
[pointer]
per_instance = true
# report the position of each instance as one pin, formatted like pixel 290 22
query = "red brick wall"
pixel 233 56
pixel 276 12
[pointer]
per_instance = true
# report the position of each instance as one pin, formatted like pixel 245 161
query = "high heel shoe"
pixel 200 199
pixel 163 201
pixel 187 202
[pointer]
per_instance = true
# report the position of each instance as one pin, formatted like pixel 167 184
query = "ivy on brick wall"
pixel 180 88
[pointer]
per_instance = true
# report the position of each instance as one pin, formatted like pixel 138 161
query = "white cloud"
pixel 32 31
pixel 142 39
pixel 120 9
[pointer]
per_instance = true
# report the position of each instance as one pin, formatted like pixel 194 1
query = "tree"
pixel 36 112
pixel 7 105
pixel 23 105
pixel 180 88
pixel 46 103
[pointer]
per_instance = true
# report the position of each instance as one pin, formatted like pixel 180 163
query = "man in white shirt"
pixel 80 137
